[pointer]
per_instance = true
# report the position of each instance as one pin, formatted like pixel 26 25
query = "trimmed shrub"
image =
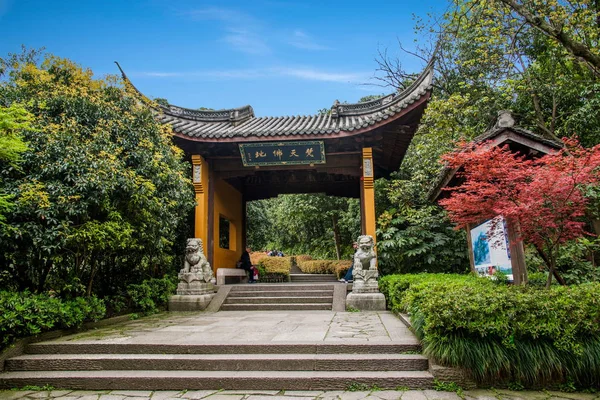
pixel 341 267
pixel 337 267
pixel 315 266
pixel 152 295
pixel 303 257
pixel 256 256
pixel 527 335
pixel 25 314
pixel 275 269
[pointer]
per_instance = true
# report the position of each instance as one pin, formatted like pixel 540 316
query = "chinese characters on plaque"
pixel 282 153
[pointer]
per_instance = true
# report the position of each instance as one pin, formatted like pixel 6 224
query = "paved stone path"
pixel 297 395
pixel 255 326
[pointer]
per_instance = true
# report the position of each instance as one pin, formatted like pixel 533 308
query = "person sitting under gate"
pixel 246 264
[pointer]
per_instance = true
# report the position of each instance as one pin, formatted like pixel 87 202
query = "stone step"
pixel 276 306
pixel 217 362
pixel 57 347
pixel 281 287
pixel 278 300
pixel 312 277
pixel 201 380
pixel 282 293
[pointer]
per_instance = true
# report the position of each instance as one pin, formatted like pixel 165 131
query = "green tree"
pixel 13 121
pixel 102 194
pixel 319 225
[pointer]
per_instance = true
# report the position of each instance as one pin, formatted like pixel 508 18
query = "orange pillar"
pixel 368 194
pixel 200 181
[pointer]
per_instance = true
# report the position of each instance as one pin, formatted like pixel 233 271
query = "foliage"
pixel 152 295
pixel 340 268
pixel 102 195
pixel 420 240
pixel 319 225
pixel 256 256
pixel 25 314
pixel 13 120
pixel 275 269
pixel 543 195
pixel 316 266
pixel 504 333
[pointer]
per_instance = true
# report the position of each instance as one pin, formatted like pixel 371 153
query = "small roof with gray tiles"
pixel 344 119
pixel 505 123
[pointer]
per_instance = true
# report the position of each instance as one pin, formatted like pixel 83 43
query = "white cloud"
pixel 311 74
pixel 241 31
pixel 301 73
pixel 246 42
pixel 302 40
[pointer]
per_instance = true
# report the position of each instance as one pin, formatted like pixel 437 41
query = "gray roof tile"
pixel 241 122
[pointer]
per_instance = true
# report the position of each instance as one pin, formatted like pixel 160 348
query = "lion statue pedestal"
pixel 196 280
pixel 365 294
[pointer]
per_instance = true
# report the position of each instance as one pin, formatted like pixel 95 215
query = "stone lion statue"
pixel 364 271
pixel 195 266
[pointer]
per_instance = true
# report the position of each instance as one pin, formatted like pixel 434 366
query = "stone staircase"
pixel 279 297
pixel 268 366
pixel 305 278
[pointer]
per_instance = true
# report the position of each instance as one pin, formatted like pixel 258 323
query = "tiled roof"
pixel 504 124
pixel 240 122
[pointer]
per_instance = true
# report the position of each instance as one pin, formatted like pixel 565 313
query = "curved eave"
pixel 333 134
pixel 240 125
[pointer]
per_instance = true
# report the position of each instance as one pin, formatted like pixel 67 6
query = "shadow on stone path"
pixel 295 395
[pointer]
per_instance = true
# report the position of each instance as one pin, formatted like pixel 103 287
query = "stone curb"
pixel 18 347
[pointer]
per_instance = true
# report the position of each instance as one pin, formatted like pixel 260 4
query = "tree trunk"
pixel 93 270
pixel 550 274
pixel 336 237
pixel 555 273
pixel 46 270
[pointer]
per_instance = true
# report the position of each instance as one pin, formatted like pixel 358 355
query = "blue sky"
pixel 281 57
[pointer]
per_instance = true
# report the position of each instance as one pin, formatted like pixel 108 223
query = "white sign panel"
pixel 490 248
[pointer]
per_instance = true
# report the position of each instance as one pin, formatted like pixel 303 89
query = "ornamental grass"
pixel 504 334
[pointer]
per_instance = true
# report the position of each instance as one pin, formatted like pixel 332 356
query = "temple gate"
pixel 237 157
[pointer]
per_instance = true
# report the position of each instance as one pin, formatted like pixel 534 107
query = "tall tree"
pixel 102 192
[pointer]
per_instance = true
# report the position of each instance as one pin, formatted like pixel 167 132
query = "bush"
pixel 303 257
pixel 504 333
pixel 337 267
pixel 276 269
pixel 152 295
pixel 341 267
pixel 256 256
pixel 24 314
pixel 315 266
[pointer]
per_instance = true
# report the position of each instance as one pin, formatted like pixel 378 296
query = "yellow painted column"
pixel 200 181
pixel 368 193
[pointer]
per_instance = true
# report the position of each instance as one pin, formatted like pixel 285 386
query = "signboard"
pixel 282 153
pixel 490 247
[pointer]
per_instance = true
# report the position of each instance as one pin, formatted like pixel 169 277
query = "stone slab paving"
pixel 479 394
pixel 258 326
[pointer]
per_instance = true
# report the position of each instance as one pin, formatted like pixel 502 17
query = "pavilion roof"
pixel 503 132
pixel 240 124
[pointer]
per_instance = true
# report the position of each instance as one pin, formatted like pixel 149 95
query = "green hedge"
pixel 527 335
pixel 25 314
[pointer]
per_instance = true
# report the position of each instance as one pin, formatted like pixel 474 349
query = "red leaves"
pixel 543 195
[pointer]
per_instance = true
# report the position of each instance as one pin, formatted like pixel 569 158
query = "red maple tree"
pixel 542 196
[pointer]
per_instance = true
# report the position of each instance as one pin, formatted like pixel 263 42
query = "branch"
pixel 576 48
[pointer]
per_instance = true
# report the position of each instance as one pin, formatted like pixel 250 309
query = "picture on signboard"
pixel 490 247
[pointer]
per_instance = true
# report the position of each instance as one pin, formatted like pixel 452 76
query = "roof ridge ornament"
pixel 505 119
